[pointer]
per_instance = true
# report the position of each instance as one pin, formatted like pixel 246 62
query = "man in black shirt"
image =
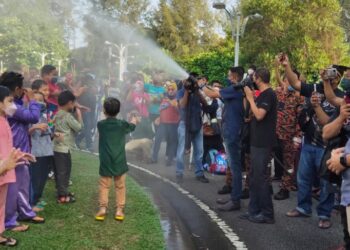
pixel 317 114
pixel 262 140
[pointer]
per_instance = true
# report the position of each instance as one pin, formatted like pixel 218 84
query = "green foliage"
pixel 184 27
pixel 127 11
pixel 309 31
pixel 213 63
pixel 26 28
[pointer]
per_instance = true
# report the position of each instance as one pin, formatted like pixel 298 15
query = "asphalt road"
pixel 187 226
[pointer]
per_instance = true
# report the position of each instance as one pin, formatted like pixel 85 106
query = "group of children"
pixel 31 144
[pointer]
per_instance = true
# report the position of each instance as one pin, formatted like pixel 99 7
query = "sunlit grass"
pixel 73 226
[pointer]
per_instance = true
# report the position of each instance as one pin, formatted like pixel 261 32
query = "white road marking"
pixel 226 229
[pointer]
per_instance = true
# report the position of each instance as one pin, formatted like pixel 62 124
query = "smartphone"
pixel 347 97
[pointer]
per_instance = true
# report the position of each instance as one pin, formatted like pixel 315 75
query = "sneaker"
pixel 245 194
pixel 179 178
pixel 230 206
pixel 261 219
pixel 283 194
pixel 225 190
pixel 202 179
pixel 244 216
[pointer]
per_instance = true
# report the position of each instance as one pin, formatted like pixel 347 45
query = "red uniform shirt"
pixel 169 112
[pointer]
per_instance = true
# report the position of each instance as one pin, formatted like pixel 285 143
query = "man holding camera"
pixel 191 102
pixel 262 140
pixel 316 114
pixel 232 121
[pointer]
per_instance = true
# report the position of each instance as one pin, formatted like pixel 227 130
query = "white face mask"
pixel 10 110
pixel 250 71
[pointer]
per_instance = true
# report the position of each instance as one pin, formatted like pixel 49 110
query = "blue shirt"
pixel 233 112
pixel 156 95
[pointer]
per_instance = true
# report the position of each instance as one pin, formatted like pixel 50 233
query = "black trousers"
pixel 259 185
pixel 62 169
pixel 279 154
pixel 39 171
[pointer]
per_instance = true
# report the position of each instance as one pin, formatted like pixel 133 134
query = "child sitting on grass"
pixel 113 163
pixel 66 128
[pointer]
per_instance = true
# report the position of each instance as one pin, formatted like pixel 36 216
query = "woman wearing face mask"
pixel 139 98
pixel 7 173
pixel 17 203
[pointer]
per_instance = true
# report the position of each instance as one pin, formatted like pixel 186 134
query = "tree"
pixel 213 63
pixel 309 31
pixel 26 28
pixel 184 27
pixel 125 11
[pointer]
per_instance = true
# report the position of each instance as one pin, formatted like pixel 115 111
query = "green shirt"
pixel 112 133
pixel 66 124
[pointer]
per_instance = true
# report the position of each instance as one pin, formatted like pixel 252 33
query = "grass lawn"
pixel 73 226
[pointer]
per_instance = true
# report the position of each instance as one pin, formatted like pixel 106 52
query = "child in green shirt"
pixel 113 163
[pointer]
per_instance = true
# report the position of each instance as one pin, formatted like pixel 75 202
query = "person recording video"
pixel 262 140
pixel 316 114
pixel 191 102
pixel 232 121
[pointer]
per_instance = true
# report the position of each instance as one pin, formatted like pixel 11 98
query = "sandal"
pixel 66 199
pixel 38 208
pixel 8 242
pixel 35 220
pixel 324 224
pixel 119 216
pixel 101 215
pixel 19 228
pixel 295 213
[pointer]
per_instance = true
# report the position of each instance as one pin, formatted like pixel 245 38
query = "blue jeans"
pixel 165 131
pixel 197 142
pixel 309 166
pixel 233 152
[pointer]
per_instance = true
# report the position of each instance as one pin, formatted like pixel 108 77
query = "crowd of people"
pixel 242 125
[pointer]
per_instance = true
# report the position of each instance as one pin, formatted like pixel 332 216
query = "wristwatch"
pixel 343 161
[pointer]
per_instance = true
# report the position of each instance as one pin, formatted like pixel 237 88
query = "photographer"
pixel 315 115
pixel 232 121
pixel 191 102
pixel 336 133
pixel 262 140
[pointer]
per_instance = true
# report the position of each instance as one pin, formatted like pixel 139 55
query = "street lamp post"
pixel 43 56
pixel 239 29
pixel 59 62
pixel 123 56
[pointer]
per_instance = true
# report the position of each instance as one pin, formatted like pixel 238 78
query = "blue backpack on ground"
pixel 216 162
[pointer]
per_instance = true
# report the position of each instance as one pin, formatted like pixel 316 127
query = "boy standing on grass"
pixel 66 128
pixel 113 164
pixel 42 149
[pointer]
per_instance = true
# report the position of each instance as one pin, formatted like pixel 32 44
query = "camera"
pixel 247 82
pixel 191 84
pixel 330 73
